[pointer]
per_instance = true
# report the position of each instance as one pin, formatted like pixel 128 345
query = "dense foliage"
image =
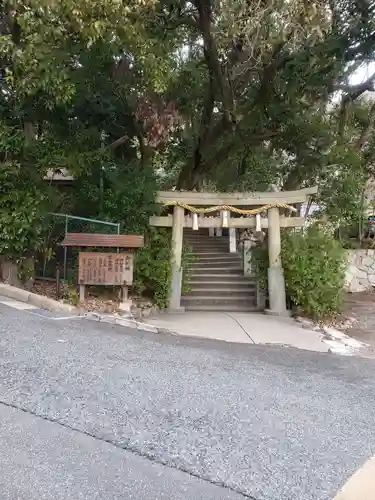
pixel 153 269
pixel 20 235
pixel 314 269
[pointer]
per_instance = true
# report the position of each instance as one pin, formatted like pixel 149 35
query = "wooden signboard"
pixel 102 268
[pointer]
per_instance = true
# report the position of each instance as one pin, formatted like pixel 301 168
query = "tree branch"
pixel 204 23
pixel 363 48
pixel 118 142
pixel 355 91
pixel 254 140
pixel 185 20
pixel 366 130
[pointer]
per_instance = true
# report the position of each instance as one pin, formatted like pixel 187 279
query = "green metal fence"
pixel 55 256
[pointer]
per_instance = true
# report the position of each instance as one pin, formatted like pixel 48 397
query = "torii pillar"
pixel 276 281
pixel 176 260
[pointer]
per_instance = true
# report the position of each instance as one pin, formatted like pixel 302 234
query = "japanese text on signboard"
pixel 99 268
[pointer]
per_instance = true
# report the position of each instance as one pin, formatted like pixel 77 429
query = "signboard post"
pixel 102 268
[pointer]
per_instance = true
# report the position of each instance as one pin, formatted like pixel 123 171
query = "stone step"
pixel 215 268
pixel 204 231
pixel 215 255
pixel 222 263
pixel 193 237
pixel 224 293
pixel 209 251
pixel 228 308
pixel 210 275
pixel 204 256
pixel 216 300
pixel 206 242
pixel 199 270
pixel 209 243
pixel 216 278
pixel 222 285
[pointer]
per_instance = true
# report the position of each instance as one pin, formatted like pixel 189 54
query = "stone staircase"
pixel 216 279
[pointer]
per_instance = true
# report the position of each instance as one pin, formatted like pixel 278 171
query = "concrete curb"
pixel 34 299
pixel 40 301
pixel 339 342
pixel 361 485
pixel 128 322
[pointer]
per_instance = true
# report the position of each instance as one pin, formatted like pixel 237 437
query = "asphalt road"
pixel 91 411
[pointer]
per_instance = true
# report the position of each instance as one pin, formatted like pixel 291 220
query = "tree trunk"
pixel 9 272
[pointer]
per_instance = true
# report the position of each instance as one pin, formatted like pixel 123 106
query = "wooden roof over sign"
pixel 102 240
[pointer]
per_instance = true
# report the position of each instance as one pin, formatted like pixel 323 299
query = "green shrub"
pixel 22 205
pixel 314 270
pixel 152 273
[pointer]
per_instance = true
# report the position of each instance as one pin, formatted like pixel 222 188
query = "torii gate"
pixel 226 203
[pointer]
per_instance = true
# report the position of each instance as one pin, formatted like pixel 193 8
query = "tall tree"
pixel 266 72
pixel 222 90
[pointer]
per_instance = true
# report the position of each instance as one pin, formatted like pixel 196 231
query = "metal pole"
pixel 101 178
pixel 118 232
pixel 101 190
pixel 65 248
pixel 57 282
pixel 86 219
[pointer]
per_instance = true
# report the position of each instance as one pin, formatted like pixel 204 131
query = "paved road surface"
pixel 91 411
pixel 44 460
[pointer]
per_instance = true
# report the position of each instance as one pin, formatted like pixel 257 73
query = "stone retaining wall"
pixel 360 274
